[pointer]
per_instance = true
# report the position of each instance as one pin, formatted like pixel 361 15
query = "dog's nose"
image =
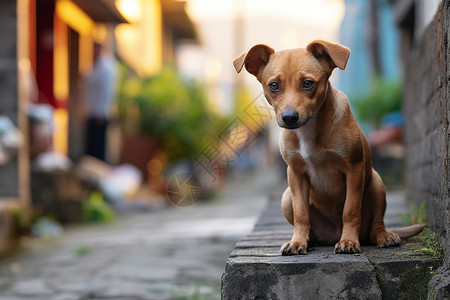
pixel 289 117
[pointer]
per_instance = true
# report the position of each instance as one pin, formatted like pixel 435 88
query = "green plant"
pixel 429 239
pixel 384 96
pixel 171 110
pixel 83 250
pixel 431 270
pixel 95 209
pixel 22 221
pixel 197 291
pixel 431 244
pixel 416 215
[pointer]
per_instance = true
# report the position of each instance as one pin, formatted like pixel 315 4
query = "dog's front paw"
pixel 388 239
pixel 294 247
pixel 347 247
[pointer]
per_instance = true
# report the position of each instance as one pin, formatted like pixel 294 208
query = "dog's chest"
pixel 306 142
pixel 322 168
pixel 305 149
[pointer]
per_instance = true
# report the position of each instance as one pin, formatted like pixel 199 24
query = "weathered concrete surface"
pixel 319 275
pixel 256 270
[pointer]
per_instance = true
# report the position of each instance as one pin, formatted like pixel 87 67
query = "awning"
pixel 103 11
pixel 175 14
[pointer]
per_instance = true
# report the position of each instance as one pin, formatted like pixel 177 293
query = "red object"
pixel 138 150
pixel 44 51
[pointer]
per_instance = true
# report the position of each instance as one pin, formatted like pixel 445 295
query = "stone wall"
pixel 426 108
pixel 9 182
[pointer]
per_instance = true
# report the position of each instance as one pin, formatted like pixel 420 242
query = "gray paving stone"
pixel 31 287
pixel 66 296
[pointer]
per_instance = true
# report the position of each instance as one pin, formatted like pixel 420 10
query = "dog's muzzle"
pixel 290 119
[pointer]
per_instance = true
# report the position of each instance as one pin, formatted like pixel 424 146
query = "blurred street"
pixel 174 253
pixel 171 253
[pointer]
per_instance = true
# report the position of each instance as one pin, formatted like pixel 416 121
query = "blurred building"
pixel 368 29
pixel 155 29
pixel 47 48
pixel 412 18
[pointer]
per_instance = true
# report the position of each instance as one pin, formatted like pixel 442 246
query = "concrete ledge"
pixel 256 270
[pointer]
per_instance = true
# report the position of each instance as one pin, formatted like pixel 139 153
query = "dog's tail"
pixel 408 231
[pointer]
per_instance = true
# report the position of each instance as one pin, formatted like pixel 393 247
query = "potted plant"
pixel 164 114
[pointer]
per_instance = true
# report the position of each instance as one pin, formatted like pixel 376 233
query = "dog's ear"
pixel 254 60
pixel 335 53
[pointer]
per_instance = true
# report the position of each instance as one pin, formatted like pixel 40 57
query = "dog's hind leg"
pixel 286 205
pixel 375 198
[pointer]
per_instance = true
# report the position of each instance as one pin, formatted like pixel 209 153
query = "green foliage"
pixel 22 220
pixel 95 209
pixel 431 270
pixel 416 215
pixel 169 109
pixel 431 244
pixel 430 240
pixel 83 250
pixel 385 96
pixel 197 291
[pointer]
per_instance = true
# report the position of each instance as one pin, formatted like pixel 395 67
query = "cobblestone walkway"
pixel 175 253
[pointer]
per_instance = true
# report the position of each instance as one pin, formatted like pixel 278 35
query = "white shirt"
pixel 100 87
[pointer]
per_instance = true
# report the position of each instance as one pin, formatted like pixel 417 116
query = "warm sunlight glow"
pixel 73 16
pixel 88 31
pixel 61 61
pixel 144 55
pixel 130 9
pixel 322 13
pixel 60 138
pixel 86 54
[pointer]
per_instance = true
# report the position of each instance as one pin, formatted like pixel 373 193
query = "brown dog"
pixel 334 194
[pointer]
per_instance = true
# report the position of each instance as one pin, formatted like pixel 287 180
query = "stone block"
pixel 256 270
pixel 318 275
pixel 440 285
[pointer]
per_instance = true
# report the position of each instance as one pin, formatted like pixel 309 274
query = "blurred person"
pixel 99 95
pixel 391 131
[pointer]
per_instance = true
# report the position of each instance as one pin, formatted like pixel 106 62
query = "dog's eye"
pixel 274 86
pixel 308 84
